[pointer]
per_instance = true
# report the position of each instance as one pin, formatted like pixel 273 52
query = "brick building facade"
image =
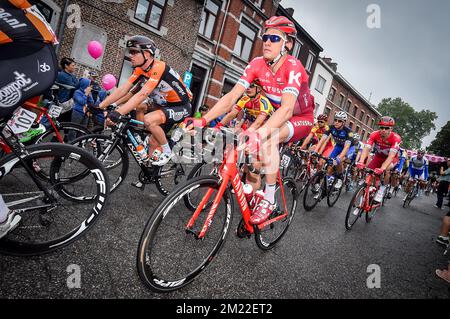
pixel 362 115
pixel 172 24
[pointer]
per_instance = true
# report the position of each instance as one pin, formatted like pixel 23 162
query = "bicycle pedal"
pixel 139 185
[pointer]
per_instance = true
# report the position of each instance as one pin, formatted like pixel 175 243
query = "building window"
pixel 310 61
pixel 227 87
pixel 332 94
pixel 367 120
pixel 373 123
pixel 297 49
pixel 320 84
pixel 355 110
pixel 258 3
pixel 357 129
pixel 348 106
pixel 209 17
pixel 351 125
pixel 341 100
pixel 150 12
pixel 245 40
pixel 361 116
pixel 363 135
pixel 327 111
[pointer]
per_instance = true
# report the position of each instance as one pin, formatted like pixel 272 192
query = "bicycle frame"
pixel 229 173
pixel 366 202
pixel 44 112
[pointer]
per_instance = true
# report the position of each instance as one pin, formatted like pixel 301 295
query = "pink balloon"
pixel 109 81
pixel 95 49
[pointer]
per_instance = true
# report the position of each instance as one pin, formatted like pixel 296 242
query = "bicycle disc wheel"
pixel 354 210
pixel 55 218
pixel 170 257
pixel 267 237
pixel 313 191
pixel 114 160
pixel 333 193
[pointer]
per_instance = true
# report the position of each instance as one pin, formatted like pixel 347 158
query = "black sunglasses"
pixel 385 128
pixel 340 121
pixel 320 122
pixel 272 37
pixel 133 52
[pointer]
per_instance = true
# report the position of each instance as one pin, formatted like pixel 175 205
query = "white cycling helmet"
pixel 341 116
pixel 356 136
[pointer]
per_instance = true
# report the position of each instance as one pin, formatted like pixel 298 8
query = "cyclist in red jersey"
pixel 386 145
pixel 285 83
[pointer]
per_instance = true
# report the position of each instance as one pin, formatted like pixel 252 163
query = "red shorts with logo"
pixel 378 160
pixel 300 126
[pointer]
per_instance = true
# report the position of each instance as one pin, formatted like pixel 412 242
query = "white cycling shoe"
pixel 9 224
pixel 163 159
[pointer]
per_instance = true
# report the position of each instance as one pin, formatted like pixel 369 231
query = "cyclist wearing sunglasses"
pixel 386 145
pixel 316 135
pixel 285 83
pixel 162 84
pixel 343 139
pixel 256 109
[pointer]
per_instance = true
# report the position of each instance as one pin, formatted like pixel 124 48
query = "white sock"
pixel 166 148
pixel 269 193
pixel 3 210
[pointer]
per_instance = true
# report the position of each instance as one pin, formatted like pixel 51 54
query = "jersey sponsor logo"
pixel 177 86
pixel 44 67
pixel 11 93
pixel 177 116
pixel 294 77
pixel 13 23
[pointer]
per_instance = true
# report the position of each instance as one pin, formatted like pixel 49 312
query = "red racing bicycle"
pixel 189 227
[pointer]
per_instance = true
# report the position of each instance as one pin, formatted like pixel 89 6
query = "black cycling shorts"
pixel 175 114
pixel 24 77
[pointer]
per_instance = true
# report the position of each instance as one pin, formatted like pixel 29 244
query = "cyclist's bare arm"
pixel 118 93
pixel 229 117
pixel 225 103
pixel 307 140
pixel 133 102
pixel 280 116
pixel 365 153
pixel 323 141
pixel 124 98
pixel 389 160
pixel 258 122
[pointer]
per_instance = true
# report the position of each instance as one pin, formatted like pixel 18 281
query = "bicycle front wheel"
pixel 60 209
pixel 169 256
pixel 355 209
pixel 286 199
pixel 313 191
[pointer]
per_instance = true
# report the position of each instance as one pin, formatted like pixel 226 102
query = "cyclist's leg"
pixel 336 151
pixel 21 79
pixel 8 220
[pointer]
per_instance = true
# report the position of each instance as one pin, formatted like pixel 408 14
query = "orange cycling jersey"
pixel 163 84
pixel 21 22
pixel 254 107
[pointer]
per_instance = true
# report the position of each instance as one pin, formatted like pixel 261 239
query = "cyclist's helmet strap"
pixel 142 43
pixel 284 25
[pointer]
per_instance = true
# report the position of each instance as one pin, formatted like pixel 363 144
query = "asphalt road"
pixel 317 258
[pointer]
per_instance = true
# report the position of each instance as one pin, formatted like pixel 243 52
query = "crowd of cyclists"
pixel 270 108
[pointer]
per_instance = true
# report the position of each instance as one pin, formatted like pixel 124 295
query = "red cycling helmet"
pixel 283 24
pixel 386 121
pixel 322 117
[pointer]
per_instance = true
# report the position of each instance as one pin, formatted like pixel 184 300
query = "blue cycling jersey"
pixel 418 166
pixel 341 136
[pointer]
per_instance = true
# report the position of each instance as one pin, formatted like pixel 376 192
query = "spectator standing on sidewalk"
pixel 443 185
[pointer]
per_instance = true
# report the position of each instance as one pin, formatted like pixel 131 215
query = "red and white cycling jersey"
pixel 291 77
pixel 383 147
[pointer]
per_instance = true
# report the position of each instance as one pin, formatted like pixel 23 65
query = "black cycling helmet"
pixel 142 43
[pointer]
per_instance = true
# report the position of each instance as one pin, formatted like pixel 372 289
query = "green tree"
pixel 412 126
pixel 441 144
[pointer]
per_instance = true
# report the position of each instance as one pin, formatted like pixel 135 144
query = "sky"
pixel 408 56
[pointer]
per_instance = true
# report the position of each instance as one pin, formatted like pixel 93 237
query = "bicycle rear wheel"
pixel 267 237
pixel 169 257
pixel 65 129
pixel 333 193
pixel 171 175
pixel 55 218
pixel 114 160
pixel 354 209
